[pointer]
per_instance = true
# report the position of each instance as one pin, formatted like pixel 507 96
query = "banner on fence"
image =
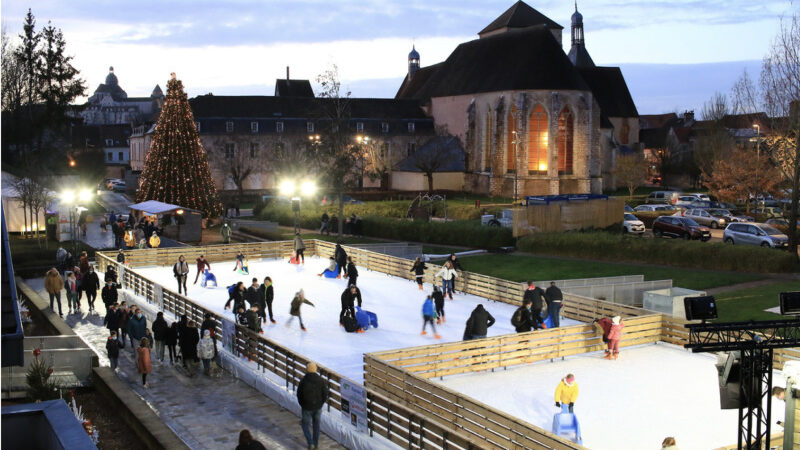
pixel 228 334
pixel 354 404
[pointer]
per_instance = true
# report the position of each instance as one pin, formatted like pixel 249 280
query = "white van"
pixel 668 197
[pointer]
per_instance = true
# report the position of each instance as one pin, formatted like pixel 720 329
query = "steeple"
pixel 413 62
pixel 578 54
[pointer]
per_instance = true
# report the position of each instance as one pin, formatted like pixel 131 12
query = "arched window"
pixel 624 131
pixel 566 130
pixel 487 142
pixel 537 141
pixel 511 154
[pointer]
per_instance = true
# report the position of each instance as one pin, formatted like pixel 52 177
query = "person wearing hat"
pixel 225 231
pixel 312 393
pixel 567 392
pixel 155 241
pixel 294 310
pixel 614 335
pixel 205 350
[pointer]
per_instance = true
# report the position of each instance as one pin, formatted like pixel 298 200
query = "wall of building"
pixel 416 181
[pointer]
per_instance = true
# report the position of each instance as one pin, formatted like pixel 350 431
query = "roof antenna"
pixel 576 5
pixel 287 73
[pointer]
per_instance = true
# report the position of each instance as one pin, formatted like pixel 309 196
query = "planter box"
pixel 669 301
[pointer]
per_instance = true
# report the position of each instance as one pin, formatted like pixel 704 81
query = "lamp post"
pixel 288 189
pixel 758 153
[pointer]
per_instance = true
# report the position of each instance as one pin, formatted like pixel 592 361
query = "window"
pixel 566 130
pixel 253 150
pixel 487 137
pixel 537 141
pixel 229 150
pixel 120 156
pixel 384 127
pixel 197 124
pixel 109 142
pixel 411 127
pixel 359 127
pixel 279 127
pixel 229 126
pixel 624 131
pixel 110 156
pixel 511 137
pixel 254 127
pixel 412 147
pixel 310 127
pixel 384 150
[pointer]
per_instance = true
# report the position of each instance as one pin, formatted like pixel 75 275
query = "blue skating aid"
pixel 548 322
pixel 209 280
pixel 373 319
pixel 363 318
pixel 566 425
pixel 328 274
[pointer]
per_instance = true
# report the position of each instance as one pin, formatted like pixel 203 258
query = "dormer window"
pixel 310 127
pixel 279 127
pixel 229 126
pixel 254 127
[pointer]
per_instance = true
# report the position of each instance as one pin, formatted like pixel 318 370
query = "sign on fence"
pixel 228 334
pixel 354 404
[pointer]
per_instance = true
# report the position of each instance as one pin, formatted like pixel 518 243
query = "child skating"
pixel 614 336
pixel 294 310
pixel 428 316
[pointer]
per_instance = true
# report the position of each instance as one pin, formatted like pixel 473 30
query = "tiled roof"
pixel 520 15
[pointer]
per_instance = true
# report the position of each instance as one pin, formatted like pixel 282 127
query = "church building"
pixel 533 119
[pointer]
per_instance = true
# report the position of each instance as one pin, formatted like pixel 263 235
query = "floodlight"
pixel 790 303
pixel 179 212
pixel 85 195
pixel 700 308
pixel 308 188
pixel 68 197
pixel 287 187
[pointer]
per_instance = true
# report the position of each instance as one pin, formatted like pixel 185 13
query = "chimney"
pixel 287 73
pixel 688 116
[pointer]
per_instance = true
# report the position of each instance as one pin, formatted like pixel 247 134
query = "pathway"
pixel 206 412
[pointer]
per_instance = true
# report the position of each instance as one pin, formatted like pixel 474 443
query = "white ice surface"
pixel 396 301
pixel 649 393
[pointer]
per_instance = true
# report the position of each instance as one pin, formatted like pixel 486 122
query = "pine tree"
pixel 176 168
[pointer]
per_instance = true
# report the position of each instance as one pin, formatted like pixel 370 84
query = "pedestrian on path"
pixel 205 349
pixel 143 360
pixel 71 286
pixel 53 283
pixel 189 340
pixel 160 329
pixel 324 224
pixel 155 241
pixel 61 259
pixel 246 442
pixel 109 294
pixel 137 327
pixel 202 264
pixel 83 262
pixel 171 341
pixel 121 257
pixel 181 272
pixel 554 297
pixel 294 310
pixel 124 316
pixel 312 393
pixel 90 285
pixel 111 320
pixel 112 348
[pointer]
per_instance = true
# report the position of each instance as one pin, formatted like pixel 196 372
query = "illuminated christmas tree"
pixel 176 168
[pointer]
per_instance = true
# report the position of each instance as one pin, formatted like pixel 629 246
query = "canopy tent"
pixel 152 207
pixel 189 231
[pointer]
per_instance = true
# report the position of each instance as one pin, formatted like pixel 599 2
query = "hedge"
pixel 397 209
pixel 671 252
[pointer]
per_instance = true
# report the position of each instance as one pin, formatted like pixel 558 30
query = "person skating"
pixel 429 316
pixel 245 266
pixel 155 241
pixel 348 298
pixel 171 341
pixel 202 264
pixel 265 296
pixel 53 283
pixel 188 342
pixel 237 296
pixel 567 393
pixel 225 231
pixel 536 295
pixel 160 329
pixel 299 247
pixel 554 297
pixel 71 286
pixel 253 319
pixel 312 393
pixel 294 310
pixel 449 275
pixel 181 272
pixel 112 349
pixel 481 321
pixel 341 259
pixel 352 272
pixel 438 300
pixel 239 261
pixel 419 271
pixel 614 336
pixel 522 319
pixel 206 351
pixel 90 285
pixel 143 360
pixel 331 267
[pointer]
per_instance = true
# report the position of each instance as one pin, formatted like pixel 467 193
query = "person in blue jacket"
pixel 428 316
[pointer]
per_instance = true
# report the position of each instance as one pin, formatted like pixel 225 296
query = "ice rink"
pixel 397 302
pixel 649 393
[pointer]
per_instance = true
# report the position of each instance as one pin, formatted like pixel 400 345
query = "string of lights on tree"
pixel 176 167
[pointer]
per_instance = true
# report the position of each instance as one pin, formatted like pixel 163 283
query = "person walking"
pixel 171 340
pixel 265 296
pixel 83 262
pixel 53 283
pixel 90 284
pixel 181 272
pixel 522 319
pixel 294 310
pixel 189 340
pixel 226 232
pixel 419 271
pixel 61 259
pixel 112 349
pixel 79 286
pixel 246 442
pixel 567 393
pixel 352 272
pixel 481 321
pixel 206 351
pixel 71 286
pixel 438 300
pixel 111 275
pixel 160 329
pixel 428 316
pixel 202 264
pixel 111 320
pixel 124 316
pixel 155 241
pixel 614 336
pixel 536 295
pixel 109 294
pixel 554 297
pixel 143 361
pixel 299 247
pixel 312 393
pixel 137 326
pixel 324 226
pixel 341 259
pixel 449 275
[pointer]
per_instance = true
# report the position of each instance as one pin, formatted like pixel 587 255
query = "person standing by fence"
pixel 181 272
pixel 554 297
pixel 614 336
pixel 299 247
pixel 312 393
pixel 536 295
pixel 225 231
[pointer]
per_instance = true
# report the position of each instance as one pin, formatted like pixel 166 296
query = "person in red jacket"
pixel 202 263
pixel 614 335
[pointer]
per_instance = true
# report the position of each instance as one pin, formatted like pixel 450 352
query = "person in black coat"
pixel 112 348
pixel 349 297
pixel 341 259
pixel 266 294
pixel 419 271
pixel 171 340
pixel 522 319
pixel 554 297
pixel 160 328
pixel 246 442
pixel 109 294
pixel 121 257
pixel 536 295
pixel 438 300
pixel 237 297
pixel 312 393
pixel 189 338
pixel 481 321
pixel 111 321
pixel 90 283
pixel 251 293
pixel 111 275
pixel 352 272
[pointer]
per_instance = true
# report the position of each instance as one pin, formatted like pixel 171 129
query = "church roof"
pixel 609 88
pixel 409 87
pixel 414 54
pixel 527 58
pixel 520 15
pixel 293 88
pixel 157 92
pixel 580 56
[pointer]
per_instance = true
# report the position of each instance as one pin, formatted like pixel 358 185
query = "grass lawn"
pixel 749 304
pixel 523 267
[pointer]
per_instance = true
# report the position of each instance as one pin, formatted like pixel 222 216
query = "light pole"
pixel 288 189
pixel 758 154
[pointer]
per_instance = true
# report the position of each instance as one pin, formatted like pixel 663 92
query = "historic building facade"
pixel 110 105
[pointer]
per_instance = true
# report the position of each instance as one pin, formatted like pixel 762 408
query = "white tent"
pixel 15 214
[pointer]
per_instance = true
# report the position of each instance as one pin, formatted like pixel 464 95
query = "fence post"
pixel 370 412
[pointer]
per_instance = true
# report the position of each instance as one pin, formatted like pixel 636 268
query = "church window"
pixel 537 141
pixel 110 156
pixel 229 126
pixel 310 127
pixel 254 127
pixel 624 131
pixel 229 150
pixel 359 127
pixel 511 140
pixel 253 150
pixel 120 156
pixel 487 143
pixel 412 147
pixel 109 142
pixel 566 131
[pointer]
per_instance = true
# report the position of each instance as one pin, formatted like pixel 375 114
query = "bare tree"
pixel 631 171
pixel 732 178
pixel 239 157
pixel 714 141
pixel 377 160
pixel 436 153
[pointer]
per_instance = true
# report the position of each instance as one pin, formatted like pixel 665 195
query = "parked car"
pixel 769 211
pixel 682 227
pixel 654 208
pixel 686 200
pixel 703 217
pixel 632 224
pixel 729 215
pixel 755 234
pixel 703 197
pixel 669 197
pixel 119 186
pixel 628 208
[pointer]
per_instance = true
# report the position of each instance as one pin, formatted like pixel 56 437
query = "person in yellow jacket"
pixel 567 392
pixel 130 239
pixel 155 241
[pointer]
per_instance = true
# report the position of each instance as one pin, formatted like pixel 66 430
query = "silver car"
pixel 703 217
pixel 730 216
pixel 748 233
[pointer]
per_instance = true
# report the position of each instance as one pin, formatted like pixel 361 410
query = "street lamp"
pixel 758 152
pixel 288 188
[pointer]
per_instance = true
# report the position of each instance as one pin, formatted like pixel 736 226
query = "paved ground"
pixel 114 201
pixel 206 412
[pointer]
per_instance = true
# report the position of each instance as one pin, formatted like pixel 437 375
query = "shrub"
pixel 701 255
pixel 269 235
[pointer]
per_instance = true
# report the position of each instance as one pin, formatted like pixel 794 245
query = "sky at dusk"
pixel 674 54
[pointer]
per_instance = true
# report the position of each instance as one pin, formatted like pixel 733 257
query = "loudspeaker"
pixel 790 303
pixel 700 308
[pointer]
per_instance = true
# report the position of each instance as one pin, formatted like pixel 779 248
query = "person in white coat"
pixel 449 275
pixel 205 350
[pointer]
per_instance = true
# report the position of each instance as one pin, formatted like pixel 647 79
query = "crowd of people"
pixel 75 280
pixel 132 234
